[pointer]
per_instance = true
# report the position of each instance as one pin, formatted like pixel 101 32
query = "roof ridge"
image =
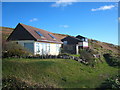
pixel 74 37
pixel 34 27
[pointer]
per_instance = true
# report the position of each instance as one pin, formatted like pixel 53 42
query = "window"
pixel 37 47
pixel 57 48
pixel 48 47
pixel 29 46
pixel 83 39
pixel 52 36
pixel 38 32
pixel 44 48
pixel 86 40
pixel 65 42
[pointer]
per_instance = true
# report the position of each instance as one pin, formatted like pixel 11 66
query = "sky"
pixel 94 20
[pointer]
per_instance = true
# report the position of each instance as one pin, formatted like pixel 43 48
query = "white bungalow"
pixel 36 40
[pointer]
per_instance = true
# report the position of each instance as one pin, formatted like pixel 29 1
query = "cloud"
pixel 106 7
pixel 34 19
pixel 63 3
pixel 64 26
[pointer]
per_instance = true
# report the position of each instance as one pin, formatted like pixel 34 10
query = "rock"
pixel 80 60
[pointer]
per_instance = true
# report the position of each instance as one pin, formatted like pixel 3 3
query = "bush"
pixel 62 50
pixel 110 83
pixel 64 54
pixel 14 83
pixel 88 56
pixel 112 60
pixel 11 49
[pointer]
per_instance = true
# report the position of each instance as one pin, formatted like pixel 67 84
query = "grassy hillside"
pixel 56 73
pixel 6 32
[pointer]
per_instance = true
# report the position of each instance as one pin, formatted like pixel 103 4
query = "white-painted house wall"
pixel 41 47
pixel 47 48
pixel 84 44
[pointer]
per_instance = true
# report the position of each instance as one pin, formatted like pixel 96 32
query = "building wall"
pixel 47 48
pixel 69 49
pixel 83 44
pixel 28 44
pixel 41 48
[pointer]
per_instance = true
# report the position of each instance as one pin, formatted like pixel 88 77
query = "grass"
pixel 59 73
pixel 75 55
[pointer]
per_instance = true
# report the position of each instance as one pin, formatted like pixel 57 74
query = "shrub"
pixel 14 83
pixel 62 50
pixel 11 49
pixel 112 60
pixel 88 56
pixel 64 54
pixel 110 83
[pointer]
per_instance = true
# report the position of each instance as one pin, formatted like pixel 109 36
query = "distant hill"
pixel 6 31
pixel 93 44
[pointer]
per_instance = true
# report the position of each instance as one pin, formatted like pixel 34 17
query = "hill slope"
pixel 57 73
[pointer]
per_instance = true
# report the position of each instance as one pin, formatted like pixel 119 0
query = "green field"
pixel 58 73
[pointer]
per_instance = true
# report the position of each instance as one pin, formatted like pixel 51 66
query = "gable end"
pixel 20 33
